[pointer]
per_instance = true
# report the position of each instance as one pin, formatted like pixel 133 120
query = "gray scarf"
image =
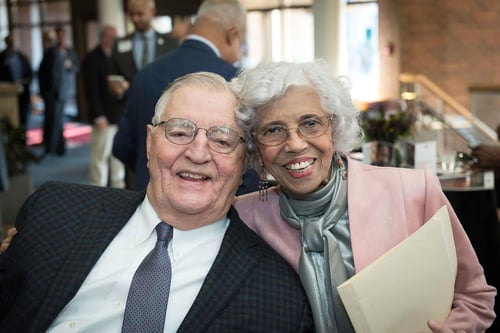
pixel 321 268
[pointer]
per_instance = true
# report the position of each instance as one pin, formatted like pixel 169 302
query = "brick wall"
pixel 455 43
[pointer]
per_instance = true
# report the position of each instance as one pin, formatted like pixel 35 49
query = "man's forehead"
pixel 137 6
pixel 202 104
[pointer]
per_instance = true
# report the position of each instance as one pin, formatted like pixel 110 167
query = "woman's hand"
pixel 5 243
pixel 440 327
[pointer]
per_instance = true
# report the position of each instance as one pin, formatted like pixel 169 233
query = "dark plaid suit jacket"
pixel 63 230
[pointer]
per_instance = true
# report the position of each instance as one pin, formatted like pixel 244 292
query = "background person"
pixel 139 48
pixel 181 25
pixel 104 111
pixel 304 124
pixel 16 68
pixel 56 79
pixel 213 45
pixel 488 157
pixel 224 278
pixel 134 51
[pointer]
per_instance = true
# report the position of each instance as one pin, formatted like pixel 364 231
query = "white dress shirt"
pixel 205 41
pixel 99 304
pixel 140 41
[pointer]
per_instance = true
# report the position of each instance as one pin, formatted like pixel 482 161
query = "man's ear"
pixel 149 130
pixel 231 34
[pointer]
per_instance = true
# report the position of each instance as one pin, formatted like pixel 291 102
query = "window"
pixel 30 22
pixel 279 35
pixel 4 29
pixel 360 56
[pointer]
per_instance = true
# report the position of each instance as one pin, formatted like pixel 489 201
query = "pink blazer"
pixel 385 206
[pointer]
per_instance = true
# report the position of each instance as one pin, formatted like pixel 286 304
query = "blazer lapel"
pixel 87 245
pixel 371 217
pixel 232 265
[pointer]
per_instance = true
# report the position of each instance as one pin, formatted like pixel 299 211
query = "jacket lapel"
pixel 231 267
pixel 97 230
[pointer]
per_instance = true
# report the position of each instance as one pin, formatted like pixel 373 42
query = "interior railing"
pixel 440 118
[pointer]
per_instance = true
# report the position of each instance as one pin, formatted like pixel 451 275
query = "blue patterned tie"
pixel 148 295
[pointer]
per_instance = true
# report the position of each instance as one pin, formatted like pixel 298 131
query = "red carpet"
pixel 75 133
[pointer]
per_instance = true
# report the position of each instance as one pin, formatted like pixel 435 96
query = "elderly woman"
pixel 304 123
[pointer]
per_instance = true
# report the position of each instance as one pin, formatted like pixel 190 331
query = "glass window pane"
pixel 4 28
pixel 298 35
pixel 55 12
pixel 255 45
pixel 162 24
pixel 277 35
pixel 362 50
pixel 21 14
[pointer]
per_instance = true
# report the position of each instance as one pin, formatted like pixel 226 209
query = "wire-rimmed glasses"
pixel 181 131
pixel 275 134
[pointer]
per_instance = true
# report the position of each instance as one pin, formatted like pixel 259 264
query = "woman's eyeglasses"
pixel 276 134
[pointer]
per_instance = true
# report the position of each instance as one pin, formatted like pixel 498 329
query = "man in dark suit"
pixel 4 177
pixel 56 79
pixel 214 45
pixel 16 68
pixel 134 51
pixel 104 113
pixel 78 247
pixel 141 47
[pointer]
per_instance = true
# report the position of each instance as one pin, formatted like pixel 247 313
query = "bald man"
pixel 214 45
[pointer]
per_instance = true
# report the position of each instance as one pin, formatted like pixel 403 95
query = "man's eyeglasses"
pixel 276 134
pixel 182 131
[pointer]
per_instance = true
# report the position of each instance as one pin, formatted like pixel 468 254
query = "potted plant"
pixel 17 157
pixel 386 126
pixel 17 154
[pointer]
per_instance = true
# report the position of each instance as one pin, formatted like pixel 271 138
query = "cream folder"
pixel 408 285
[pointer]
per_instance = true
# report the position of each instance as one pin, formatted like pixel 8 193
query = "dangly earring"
pixel 340 165
pixel 263 183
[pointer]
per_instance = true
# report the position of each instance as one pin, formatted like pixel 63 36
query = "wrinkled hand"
pixel 5 243
pixel 440 327
pixel 487 156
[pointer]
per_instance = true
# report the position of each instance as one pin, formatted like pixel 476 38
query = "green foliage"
pixel 17 153
pixel 388 126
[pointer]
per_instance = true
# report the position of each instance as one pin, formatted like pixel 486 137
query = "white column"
pixel 112 12
pixel 327 28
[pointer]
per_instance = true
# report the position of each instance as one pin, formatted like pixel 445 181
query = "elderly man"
pixel 85 257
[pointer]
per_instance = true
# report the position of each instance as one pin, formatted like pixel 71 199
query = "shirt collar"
pixel 148 34
pixel 205 41
pixel 142 224
pixel 142 227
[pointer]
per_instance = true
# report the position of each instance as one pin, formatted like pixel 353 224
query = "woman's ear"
pixel 258 157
